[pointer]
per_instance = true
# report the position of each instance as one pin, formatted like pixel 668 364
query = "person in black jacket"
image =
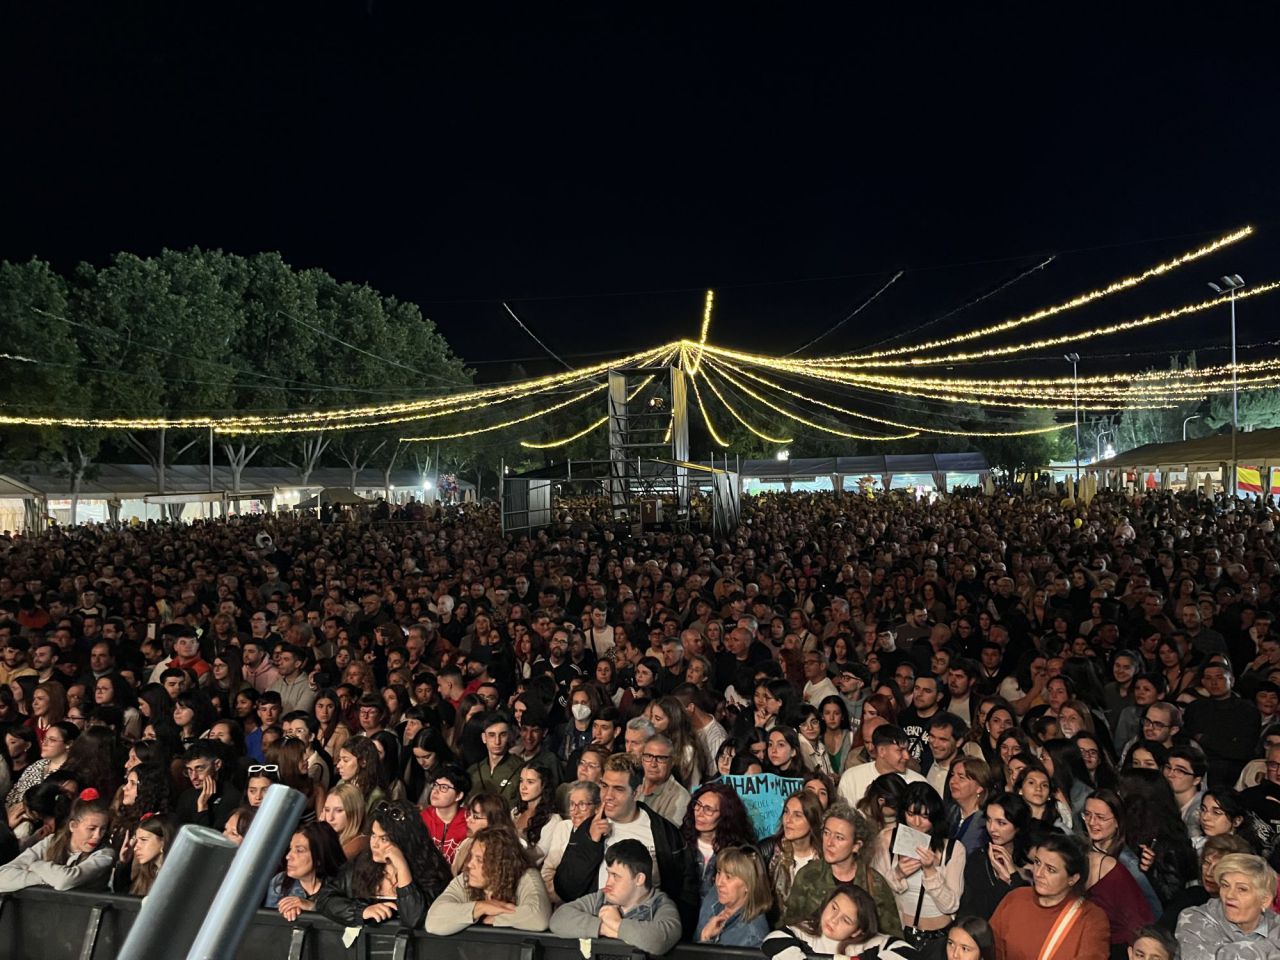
pixel 212 797
pixel 397 878
pixel 623 817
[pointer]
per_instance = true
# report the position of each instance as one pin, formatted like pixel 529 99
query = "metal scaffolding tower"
pixel 648 445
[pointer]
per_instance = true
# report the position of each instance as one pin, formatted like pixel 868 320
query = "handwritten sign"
pixel 764 795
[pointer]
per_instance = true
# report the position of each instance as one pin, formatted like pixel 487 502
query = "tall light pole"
pixel 1232 283
pixel 1074 360
pixel 1194 416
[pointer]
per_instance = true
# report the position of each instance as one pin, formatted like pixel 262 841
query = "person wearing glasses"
pixel 212 797
pixel 401 874
pixel 443 816
pixel 660 791
pixel 582 800
pixel 1185 770
pixel 622 816
pixel 497 771
pixel 627 908
pixel 1115 881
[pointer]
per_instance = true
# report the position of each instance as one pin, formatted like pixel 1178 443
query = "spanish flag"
pixel 1249 479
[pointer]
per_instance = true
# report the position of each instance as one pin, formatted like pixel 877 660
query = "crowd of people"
pixel 1007 728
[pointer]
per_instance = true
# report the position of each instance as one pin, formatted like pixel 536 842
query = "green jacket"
pixel 815 881
pixel 501 779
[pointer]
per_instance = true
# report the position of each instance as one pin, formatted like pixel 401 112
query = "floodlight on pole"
pixel 1074 359
pixel 1232 283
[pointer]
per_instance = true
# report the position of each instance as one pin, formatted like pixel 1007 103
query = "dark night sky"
pixel 563 155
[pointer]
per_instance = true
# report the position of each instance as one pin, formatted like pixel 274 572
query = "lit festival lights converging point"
pixel 826 394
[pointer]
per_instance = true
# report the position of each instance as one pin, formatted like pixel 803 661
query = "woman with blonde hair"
pixel 1240 916
pixel 345 811
pixel 735 912
pixel 499 886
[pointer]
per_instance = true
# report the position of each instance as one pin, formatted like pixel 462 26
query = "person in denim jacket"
pixel 734 914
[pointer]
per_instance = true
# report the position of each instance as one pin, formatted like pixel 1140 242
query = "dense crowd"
pixel 1010 728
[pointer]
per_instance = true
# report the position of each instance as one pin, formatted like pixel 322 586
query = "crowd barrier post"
pixel 170 916
pixel 245 886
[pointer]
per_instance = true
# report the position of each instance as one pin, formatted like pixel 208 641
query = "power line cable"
pixel 865 303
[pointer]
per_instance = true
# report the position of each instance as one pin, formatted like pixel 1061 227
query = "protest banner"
pixel 763 794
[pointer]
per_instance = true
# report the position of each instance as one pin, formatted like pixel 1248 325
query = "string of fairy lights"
pixel 770 396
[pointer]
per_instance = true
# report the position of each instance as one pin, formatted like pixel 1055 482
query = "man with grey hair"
pixel 660 791
pixel 638 731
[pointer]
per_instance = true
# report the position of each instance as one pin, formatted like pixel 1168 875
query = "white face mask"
pixel 580 711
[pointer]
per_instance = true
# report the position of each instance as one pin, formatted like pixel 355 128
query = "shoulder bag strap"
pixel 1066 920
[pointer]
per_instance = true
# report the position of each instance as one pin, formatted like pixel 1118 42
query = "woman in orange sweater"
pixel 1051 919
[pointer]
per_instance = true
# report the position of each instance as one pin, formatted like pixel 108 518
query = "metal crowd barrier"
pixel 42 924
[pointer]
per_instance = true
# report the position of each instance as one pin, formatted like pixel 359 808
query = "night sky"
pixel 600 165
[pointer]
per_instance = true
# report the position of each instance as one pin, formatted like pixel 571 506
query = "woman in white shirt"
pixel 534 814
pixel 928 885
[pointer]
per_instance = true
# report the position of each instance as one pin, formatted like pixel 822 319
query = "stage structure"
pixel 646 481
pixel 648 421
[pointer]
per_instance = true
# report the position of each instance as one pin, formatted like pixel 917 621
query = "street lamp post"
pixel 1194 416
pixel 1074 360
pixel 1232 283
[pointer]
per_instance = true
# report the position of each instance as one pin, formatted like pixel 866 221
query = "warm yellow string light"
pixel 511 423
pixel 886 422
pixel 809 423
pixel 737 416
pixel 565 441
pixel 1103 331
pixel 332 418
pixel 1075 302
pixel 706 328
pixel 706 417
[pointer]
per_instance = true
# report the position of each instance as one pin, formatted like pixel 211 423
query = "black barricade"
pixel 42 924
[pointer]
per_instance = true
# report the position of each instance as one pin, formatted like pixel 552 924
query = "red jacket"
pixel 447 836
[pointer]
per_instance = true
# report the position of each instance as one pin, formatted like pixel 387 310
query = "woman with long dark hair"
pixel 313 857
pixel 333 731
pixel 1156 831
pixel 837 730
pixel 534 814
pixel 992 871
pixel 797 842
pixel 926 886
pixel 1115 881
pixel 151 842
pixel 402 865
pixel 428 753
pixel 715 818
pixel 76 857
pixel 846 925
pixel 147 792
pixel 1101 769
